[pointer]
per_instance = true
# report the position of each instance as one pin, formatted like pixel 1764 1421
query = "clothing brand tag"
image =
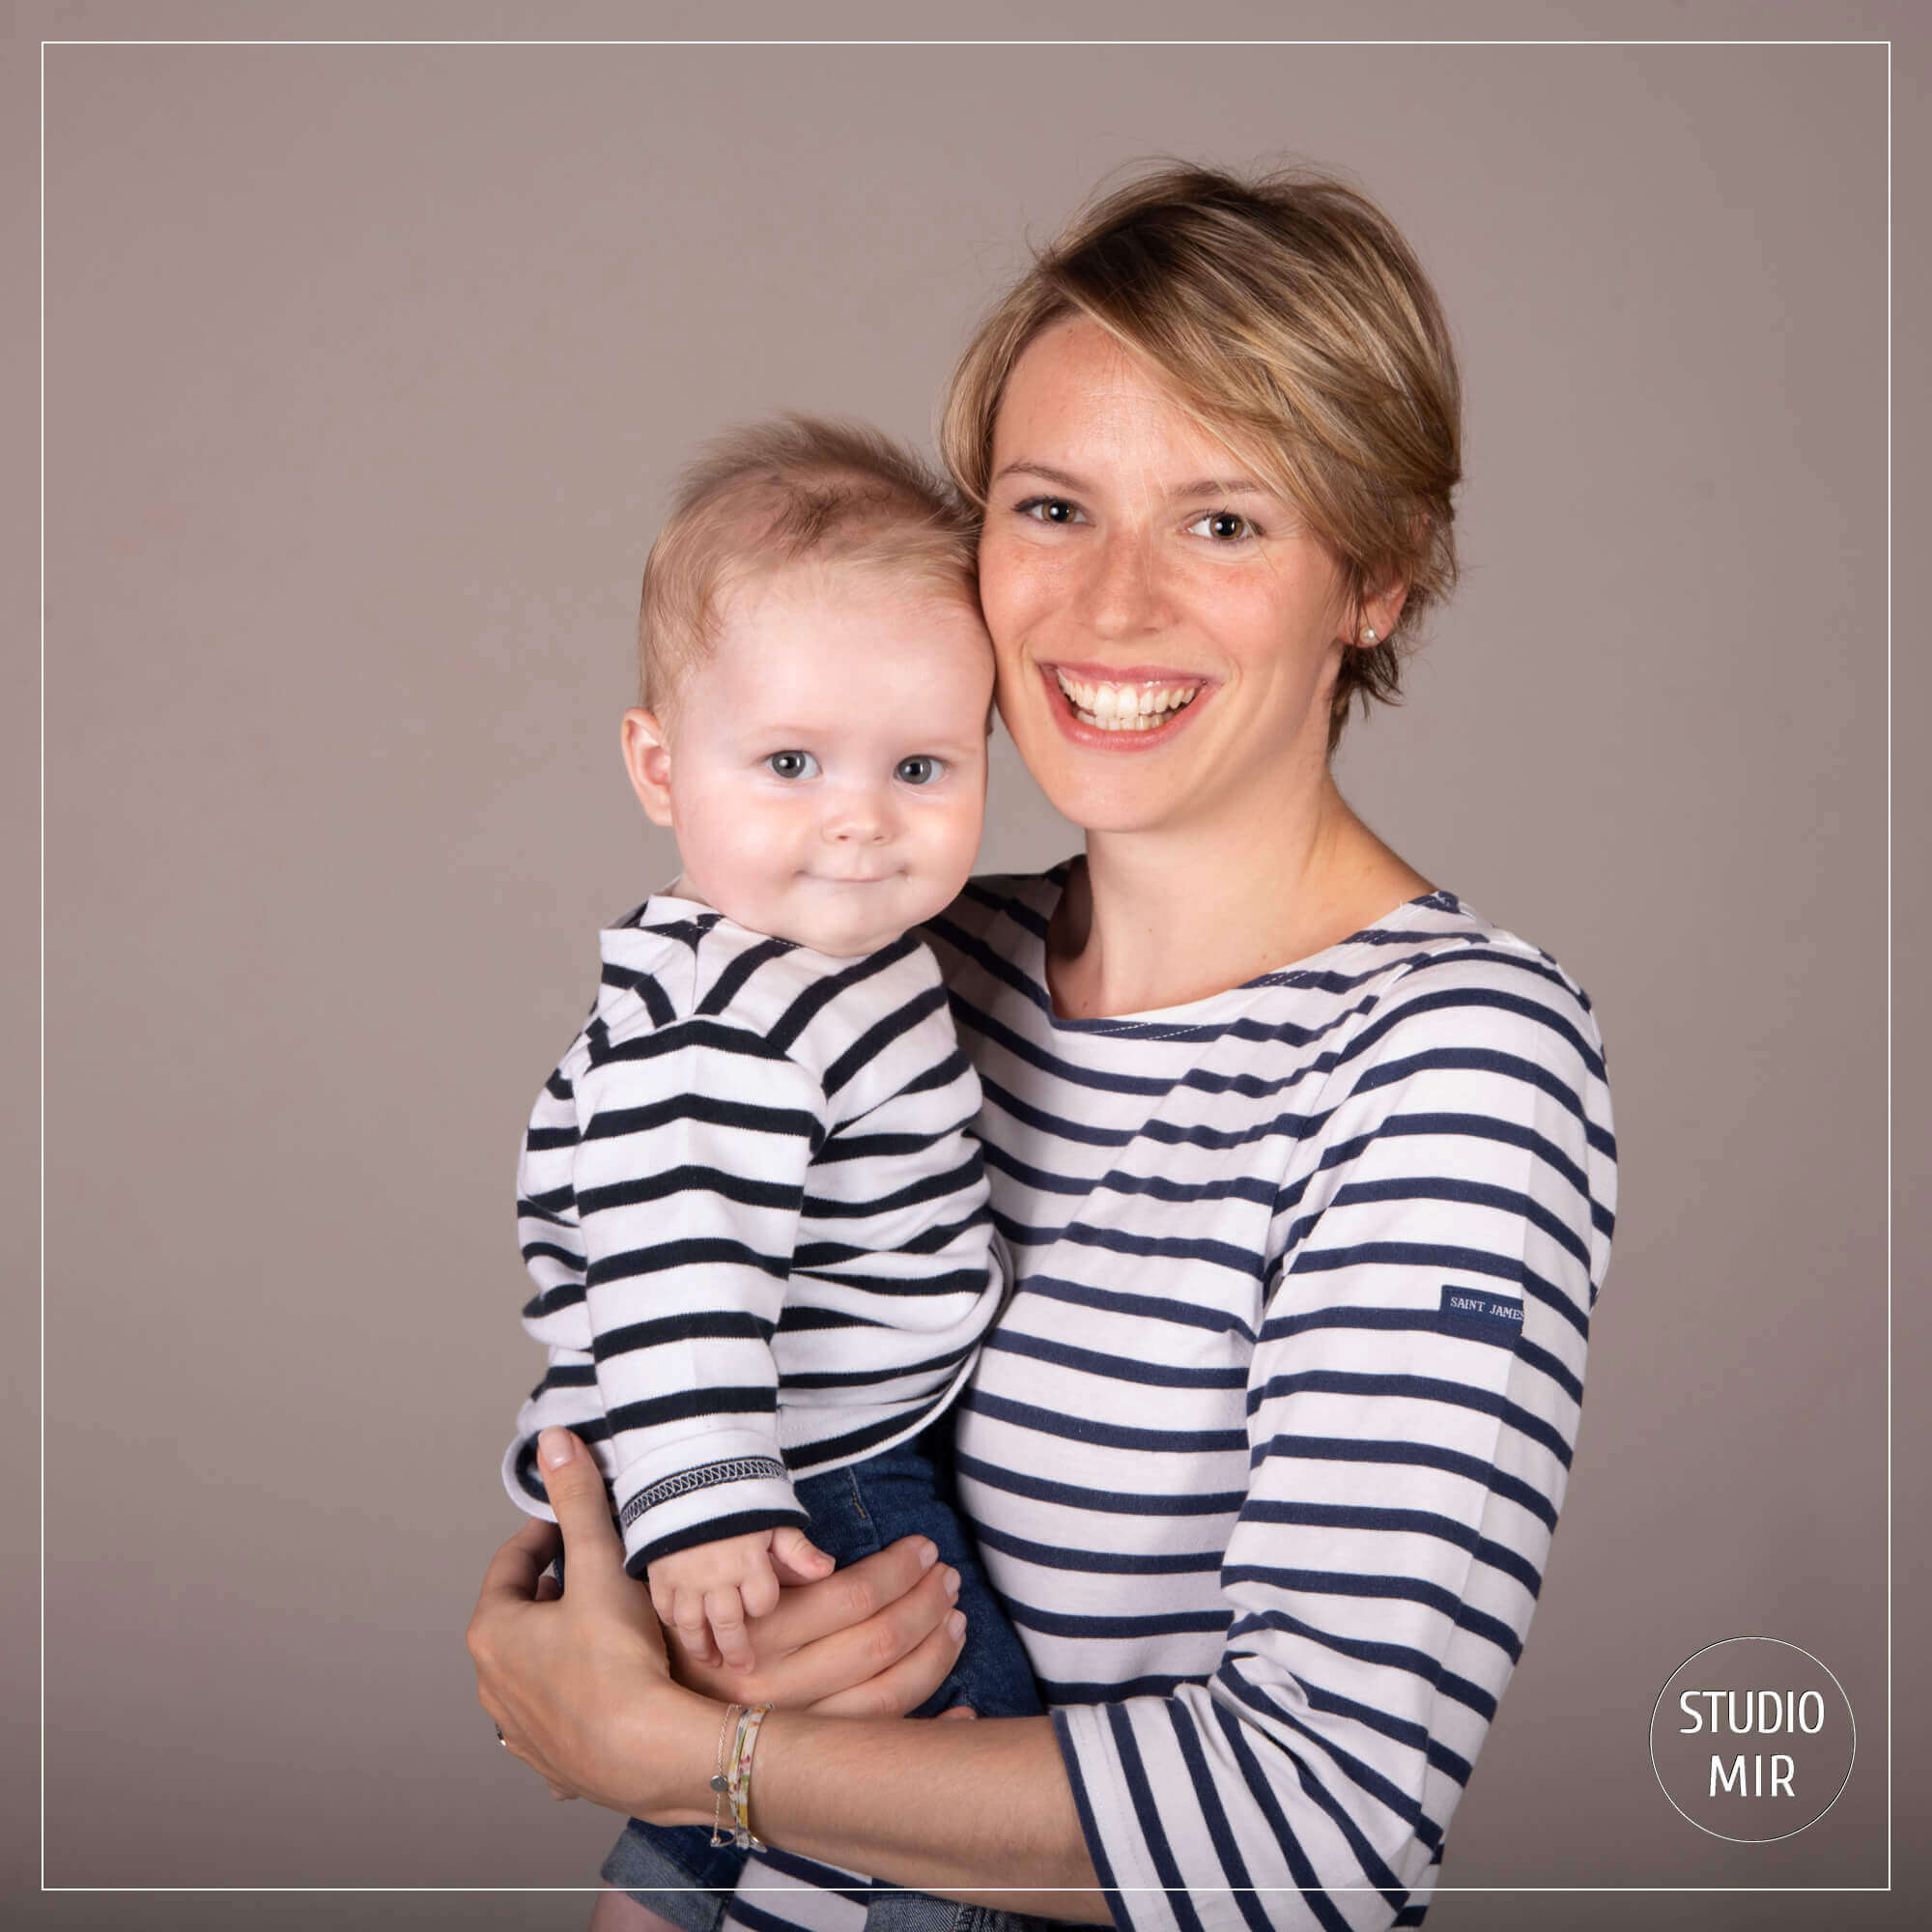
pixel 1474 1303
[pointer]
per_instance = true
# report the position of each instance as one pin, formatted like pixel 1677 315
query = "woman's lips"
pixel 1142 734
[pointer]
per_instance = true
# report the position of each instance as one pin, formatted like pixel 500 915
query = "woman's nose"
pixel 1122 594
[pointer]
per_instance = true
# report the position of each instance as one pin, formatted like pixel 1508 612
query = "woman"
pixel 1306 1170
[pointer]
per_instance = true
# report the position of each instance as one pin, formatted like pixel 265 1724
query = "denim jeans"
pixel 855 1512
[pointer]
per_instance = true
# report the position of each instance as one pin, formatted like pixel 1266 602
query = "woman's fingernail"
pixel 953 1582
pixel 956 1624
pixel 556 1447
pixel 928 1555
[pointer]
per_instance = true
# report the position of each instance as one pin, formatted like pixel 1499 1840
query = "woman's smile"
pixel 1136 710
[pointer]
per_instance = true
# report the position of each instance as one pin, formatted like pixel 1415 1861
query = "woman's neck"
pixel 1156 918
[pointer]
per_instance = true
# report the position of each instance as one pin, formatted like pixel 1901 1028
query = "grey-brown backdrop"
pixel 365 369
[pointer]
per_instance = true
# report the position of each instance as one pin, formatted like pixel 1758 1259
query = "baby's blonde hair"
pixel 772 494
pixel 1295 324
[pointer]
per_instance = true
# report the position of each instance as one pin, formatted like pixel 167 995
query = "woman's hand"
pixel 579 1684
pixel 872 1640
pixel 576 1682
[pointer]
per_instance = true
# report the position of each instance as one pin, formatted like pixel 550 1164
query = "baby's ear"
pixel 647 760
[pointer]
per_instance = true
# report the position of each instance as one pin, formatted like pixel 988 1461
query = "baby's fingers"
pixel 694 1627
pixel 725 1615
pixel 758 1588
pixel 797 1558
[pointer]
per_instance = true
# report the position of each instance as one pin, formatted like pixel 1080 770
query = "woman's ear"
pixel 1377 614
pixel 647 760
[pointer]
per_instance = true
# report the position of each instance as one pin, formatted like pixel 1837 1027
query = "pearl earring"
pixel 1368 631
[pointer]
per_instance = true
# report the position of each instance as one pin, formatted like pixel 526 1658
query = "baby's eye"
pixel 919 771
pixel 1223 526
pixel 1050 510
pixel 792 765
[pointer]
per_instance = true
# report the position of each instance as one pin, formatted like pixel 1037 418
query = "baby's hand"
pixel 708 1593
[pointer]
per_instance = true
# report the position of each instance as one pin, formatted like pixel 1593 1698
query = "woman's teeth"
pixel 1124 707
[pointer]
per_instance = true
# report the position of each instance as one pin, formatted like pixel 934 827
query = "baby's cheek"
pixel 966 825
pixel 945 865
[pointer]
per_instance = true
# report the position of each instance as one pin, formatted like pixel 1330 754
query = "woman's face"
pixel 1167 631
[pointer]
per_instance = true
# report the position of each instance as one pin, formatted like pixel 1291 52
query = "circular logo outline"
pixel 1650 1737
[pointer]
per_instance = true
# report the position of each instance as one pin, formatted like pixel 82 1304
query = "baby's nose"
pixel 858 818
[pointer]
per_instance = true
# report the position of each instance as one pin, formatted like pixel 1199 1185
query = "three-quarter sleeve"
pixel 1412 1409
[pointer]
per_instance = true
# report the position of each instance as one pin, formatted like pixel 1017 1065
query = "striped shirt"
pixel 757 1222
pixel 1265 1451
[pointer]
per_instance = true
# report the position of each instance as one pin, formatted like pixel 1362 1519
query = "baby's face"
pixel 828 761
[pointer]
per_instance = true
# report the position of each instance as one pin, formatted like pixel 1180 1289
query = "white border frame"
pixel 1232 44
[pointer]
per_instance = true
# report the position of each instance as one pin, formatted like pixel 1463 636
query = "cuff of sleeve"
pixel 1106 1808
pixel 729 1484
pixel 524 1480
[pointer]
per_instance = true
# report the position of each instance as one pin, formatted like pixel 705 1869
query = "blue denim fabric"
pixel 856 1512
pixel 906 1490
pixel 652 1871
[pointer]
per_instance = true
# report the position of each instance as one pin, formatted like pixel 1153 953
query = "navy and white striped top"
pixel 757 1222
pixel 1265 1451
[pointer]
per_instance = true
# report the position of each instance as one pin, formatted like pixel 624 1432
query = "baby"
pixel 750 1200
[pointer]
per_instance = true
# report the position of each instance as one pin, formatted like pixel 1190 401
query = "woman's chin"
pixel 1096 806
pixel 1104 792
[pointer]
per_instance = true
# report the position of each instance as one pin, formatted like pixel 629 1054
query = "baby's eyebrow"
pixel 944 746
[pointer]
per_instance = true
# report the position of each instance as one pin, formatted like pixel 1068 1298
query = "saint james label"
pixel 1475 1304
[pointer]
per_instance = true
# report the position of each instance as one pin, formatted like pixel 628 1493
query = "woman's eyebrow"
pixel 1044 471
pixel 1203 486
pixel 1222 486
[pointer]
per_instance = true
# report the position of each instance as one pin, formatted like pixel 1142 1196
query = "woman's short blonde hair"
pixel 771 495
pixel 1298 327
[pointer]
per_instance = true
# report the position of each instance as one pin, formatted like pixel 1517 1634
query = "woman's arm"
pixel 980 1812
pixel 579 1686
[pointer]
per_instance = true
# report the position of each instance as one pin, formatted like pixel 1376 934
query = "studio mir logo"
pixel 1752 1738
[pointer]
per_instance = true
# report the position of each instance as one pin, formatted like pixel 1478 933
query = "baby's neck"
pixel 681 887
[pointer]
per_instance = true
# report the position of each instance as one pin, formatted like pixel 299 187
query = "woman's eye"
pixel 1050 510
pixel 919 771
pixel 1223 526
pixel 792 765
